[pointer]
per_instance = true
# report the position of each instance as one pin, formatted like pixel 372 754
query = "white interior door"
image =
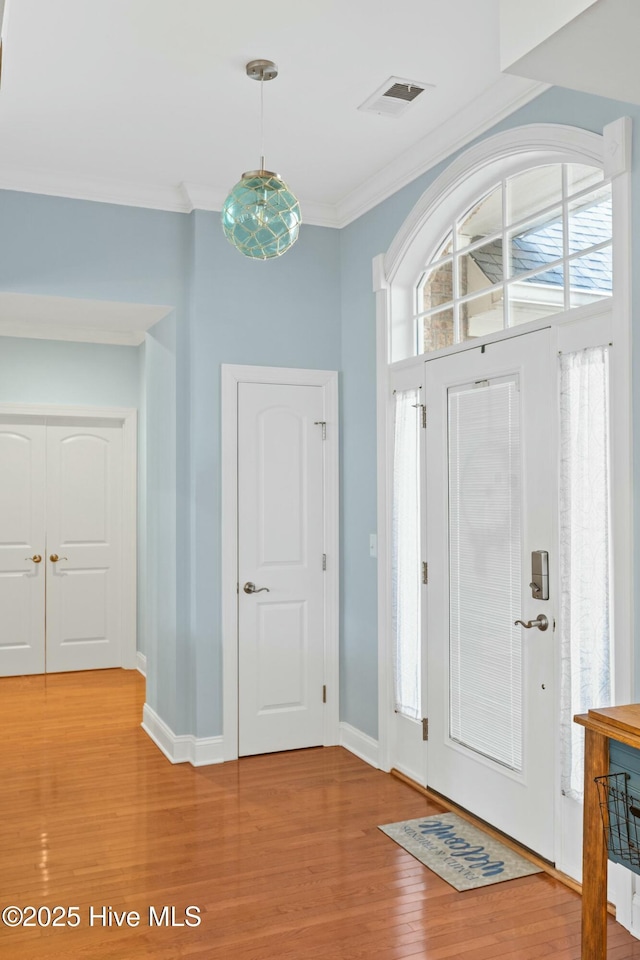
pixel 61 504
pixel 490 495
pixel 22 547
pixel 84 510
pixel 280 551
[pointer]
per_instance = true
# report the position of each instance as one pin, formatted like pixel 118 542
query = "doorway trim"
pixel 128 418
pixel 466 176
pixel 231 376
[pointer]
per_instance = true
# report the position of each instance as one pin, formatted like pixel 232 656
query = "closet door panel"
pixel 84 505
pixel 22 548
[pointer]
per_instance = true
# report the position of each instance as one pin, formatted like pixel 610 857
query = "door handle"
pixel 251 588
pixel 540 622
pixel 36 558
pixel 54 558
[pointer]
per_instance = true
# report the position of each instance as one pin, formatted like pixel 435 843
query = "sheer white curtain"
pixel 406 555
pixel 585 634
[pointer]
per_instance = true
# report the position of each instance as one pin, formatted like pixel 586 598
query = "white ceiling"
pixel 147 102
pixel 596 50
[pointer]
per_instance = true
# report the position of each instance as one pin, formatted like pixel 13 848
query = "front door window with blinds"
pixel 485 654
pixel 406 613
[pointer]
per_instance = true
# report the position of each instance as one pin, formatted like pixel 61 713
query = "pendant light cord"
pixel 262 121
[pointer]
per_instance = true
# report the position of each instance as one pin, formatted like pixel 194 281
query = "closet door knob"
pixel 36 558
pixel 54 558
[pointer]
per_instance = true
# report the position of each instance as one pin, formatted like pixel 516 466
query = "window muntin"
pixel 590 220
pixel 482 220
pixel 440 331
pixel 532 191
pixel 535 245
pixel 480 267
pixel 591 276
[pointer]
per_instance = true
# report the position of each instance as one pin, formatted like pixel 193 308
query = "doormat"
pixel 463 855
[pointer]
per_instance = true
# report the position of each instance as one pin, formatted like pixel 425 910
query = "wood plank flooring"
pixel 281 854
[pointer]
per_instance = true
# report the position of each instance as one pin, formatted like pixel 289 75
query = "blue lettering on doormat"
pixel 470 853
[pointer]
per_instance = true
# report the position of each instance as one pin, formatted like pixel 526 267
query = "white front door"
pixel 22 548
pixel 60 501
pixel 490 494
pixel 281 629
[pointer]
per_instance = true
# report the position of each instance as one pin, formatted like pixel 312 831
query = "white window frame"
pixel 509 281
pixel 469 177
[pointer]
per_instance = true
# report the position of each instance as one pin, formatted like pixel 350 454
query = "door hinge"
pixel 324 693
pixel 423 413
pixel 425 572
pixel 425 728
pixel 324 561
pixel 323 424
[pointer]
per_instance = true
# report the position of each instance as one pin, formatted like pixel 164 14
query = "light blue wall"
pixel 278 313
pixel 312 308
pixel 73 248
pixel 227 310
pixel 100 251
pixel 52 371
pixel 362 240
pixel 161 642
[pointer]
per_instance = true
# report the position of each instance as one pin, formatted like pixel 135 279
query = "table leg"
pixel 594 851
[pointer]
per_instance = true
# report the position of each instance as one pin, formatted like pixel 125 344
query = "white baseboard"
pixel 359 743
pixel 181 748
pixel 141 663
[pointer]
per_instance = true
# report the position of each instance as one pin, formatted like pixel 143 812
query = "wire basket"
pixel 620 810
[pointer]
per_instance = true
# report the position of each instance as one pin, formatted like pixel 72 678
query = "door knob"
pixel 540 622
pixel 251 588
pixel 54 558
pixel 36 558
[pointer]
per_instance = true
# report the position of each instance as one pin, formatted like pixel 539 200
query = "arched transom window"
pixel 536 244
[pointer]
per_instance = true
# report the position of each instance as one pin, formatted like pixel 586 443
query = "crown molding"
pixel 475 119
pixel 196 196
pixel 98 189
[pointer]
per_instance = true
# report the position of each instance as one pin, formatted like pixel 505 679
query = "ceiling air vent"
pixel 394 97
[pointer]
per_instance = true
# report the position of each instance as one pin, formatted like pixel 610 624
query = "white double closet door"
pixel 60 546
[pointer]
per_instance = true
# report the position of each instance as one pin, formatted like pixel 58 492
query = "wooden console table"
pixel 601 726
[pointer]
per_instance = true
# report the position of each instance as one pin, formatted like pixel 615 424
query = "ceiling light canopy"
pixel 261 217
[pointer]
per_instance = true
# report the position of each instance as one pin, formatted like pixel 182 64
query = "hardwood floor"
pixel 281 854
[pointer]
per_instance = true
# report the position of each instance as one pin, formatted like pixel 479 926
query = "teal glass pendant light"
pixel 261 217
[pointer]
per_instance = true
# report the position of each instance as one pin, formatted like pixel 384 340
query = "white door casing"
pixel 520 801
pixel 22 537
pixel 91 496
pixel 280 549
pixel 287 606
pixel 394 276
